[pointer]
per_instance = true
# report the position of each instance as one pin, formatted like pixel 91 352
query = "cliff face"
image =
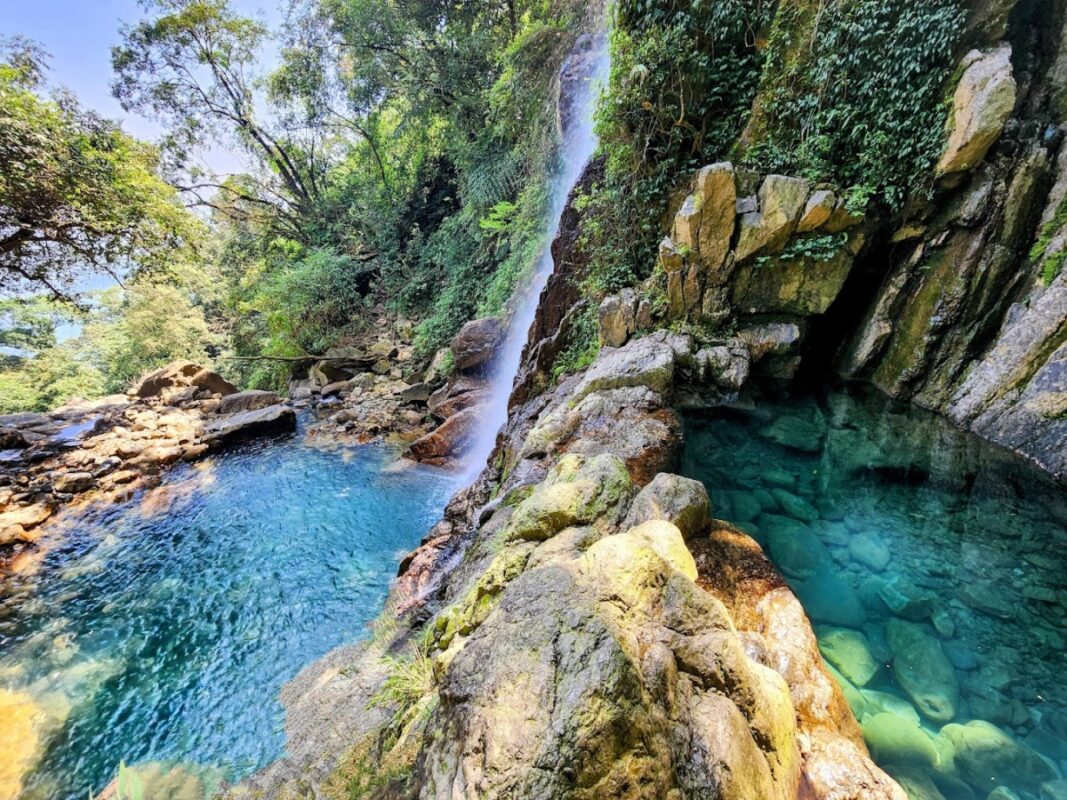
pixel 957 302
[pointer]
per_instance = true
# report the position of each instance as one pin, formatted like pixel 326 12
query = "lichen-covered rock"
pixel 983 101
pixel 817 210
pixel 717 189
pixel 647 362
pixel 672 498
pixel 578 491
pixel 781 202
pixel 618 318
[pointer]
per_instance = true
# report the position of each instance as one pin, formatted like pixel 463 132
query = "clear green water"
pixel 934 568
pixel 164 629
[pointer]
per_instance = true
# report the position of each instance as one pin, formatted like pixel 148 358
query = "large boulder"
pixel 981 105
pixel 475 345
pixel 781 202
pixel 923 671
pixel 177 373
pixel 448 441
pixel 986 756
pixel 249 400
pixel 212 382
pixel 672 498
pixel 255 422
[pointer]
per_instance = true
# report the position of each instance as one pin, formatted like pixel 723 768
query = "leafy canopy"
pixel 77 195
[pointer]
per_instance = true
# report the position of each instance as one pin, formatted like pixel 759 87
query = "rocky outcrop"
pixel 588 633
pixel 983 101
pixel 112 448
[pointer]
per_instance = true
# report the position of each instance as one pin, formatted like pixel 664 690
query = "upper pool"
pixel 162 630
pixel 934 568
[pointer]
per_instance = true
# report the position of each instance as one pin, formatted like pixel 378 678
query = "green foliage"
pixel 582 345
pixel 853 93
pixel 683 77
pixel 77 195
pixel 1052 263
pixel 408 687
pixel 143 328
pixel 817 247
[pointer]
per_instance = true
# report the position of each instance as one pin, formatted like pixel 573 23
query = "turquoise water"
pixel 934 568
pixel 162 630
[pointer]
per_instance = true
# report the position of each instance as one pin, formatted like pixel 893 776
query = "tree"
pixel 191 66
pixel 77 194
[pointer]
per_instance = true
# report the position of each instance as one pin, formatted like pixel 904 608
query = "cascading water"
pixel 583 73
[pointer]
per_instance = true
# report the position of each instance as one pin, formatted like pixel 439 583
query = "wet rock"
pixel 988 600
pixel 982 103
pixel 906 600
pixel 1054 790
pixel 877 702
pixel 796 433
pixel 12 439
pixel 475 344
pixel 448 441
pixel 986 756
pixel 923 671
pixel 250 400
pixel 896 740
pixel 674 499
pixel 794 505
pixel 870 550
pixel 258 421
pixel 916 783
pixel 847 650
pixel 795 549
pixel 828 598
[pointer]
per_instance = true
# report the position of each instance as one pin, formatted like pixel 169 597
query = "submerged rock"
pixel 898 740
pixel 847 650
pixel 923 671
pixel 986 756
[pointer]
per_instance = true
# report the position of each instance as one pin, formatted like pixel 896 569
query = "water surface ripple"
pixel 163 630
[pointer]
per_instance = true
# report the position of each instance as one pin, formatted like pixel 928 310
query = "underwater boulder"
pixel 986 756
pixel 897 740
pixel 828 598
pixel 923 671
pixel 847 650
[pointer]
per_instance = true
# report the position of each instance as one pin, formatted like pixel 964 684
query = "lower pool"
pixel 934 568
pixel 159 632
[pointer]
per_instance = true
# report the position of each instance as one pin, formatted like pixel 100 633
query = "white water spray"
pixel 583 73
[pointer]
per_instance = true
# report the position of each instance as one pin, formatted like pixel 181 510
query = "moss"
pixel 1053 263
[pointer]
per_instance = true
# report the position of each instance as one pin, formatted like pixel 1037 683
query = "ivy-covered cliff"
pixel 891 197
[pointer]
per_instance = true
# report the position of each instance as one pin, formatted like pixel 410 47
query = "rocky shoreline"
pixel 111 449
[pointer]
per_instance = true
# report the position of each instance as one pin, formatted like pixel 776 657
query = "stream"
pixel 161 631
pixel 934 568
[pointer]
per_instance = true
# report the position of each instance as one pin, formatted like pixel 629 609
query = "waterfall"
pixel 582 74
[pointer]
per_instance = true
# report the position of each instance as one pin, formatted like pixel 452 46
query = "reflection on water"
pixel 161 631
pixel 933 568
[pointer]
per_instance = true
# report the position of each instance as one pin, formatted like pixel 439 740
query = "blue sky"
pixel 79 34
